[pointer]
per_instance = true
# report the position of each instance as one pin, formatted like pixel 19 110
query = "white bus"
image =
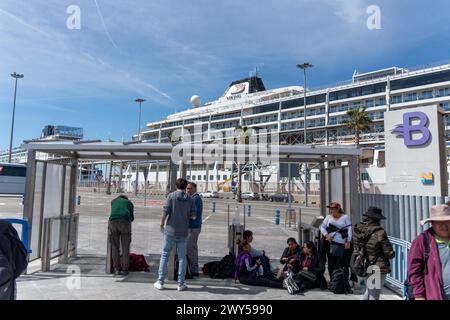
pixel 12 178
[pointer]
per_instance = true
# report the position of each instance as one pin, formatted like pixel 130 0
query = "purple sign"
pixel 406 129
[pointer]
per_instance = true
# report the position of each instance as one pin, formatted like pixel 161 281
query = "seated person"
pixel 257 254
pixel 311 269
pixel 290 256
pixel 247 268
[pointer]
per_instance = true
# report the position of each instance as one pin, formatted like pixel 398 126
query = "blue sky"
pixel 166 51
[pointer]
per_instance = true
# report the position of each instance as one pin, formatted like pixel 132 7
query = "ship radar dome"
pixel 195 101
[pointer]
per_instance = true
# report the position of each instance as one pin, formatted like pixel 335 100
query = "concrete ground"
pixel 85 278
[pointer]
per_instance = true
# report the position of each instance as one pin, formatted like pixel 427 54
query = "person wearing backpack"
pixel 247 270
pixel 429 258
pixel 13 260
pixel 372 248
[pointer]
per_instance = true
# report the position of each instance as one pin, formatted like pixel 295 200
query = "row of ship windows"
pixel 200 177
pixel 376 115
pixel 358 104
pixel 340 132
pixel 351 93
pixel 312 123
pixel 211 177
pixel 345 131
pixel 414 96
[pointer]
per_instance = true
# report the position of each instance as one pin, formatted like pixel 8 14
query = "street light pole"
pixel 305 66
pixel 15 76
pixel 139 101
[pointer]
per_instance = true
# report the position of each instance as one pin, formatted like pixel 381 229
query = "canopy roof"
pixel 98 150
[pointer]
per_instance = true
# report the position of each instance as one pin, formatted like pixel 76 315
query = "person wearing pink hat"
pixel 429 258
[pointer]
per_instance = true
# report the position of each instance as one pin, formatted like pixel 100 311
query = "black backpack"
pixel 359 262
pixel 224 268
pixel 339 281
pixel 207 267
pixel 407 288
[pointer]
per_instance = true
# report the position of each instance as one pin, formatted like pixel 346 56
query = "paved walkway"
pixel 93 283
pixel 85 277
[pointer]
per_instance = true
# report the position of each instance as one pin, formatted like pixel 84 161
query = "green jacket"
pixel 378 247
pixel 121 209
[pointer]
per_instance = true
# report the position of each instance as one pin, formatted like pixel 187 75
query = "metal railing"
pixel 403 212
pixel 67 240
pixel 399 268
pixel 403 215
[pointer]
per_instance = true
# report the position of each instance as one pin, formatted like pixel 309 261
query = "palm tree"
pixel 358 121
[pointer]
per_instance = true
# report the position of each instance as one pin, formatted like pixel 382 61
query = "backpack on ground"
pixel 408 291
pixel 224 268
pixel 339 281
pixel 207 267
pixel 359 261
pixel 137 262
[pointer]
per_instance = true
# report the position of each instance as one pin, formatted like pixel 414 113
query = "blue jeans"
pixel 168 244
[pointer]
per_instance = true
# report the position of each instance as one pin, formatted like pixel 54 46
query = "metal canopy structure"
pixel 162 151
pixel 50 191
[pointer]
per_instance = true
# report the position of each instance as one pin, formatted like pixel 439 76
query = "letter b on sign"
pixel 421 127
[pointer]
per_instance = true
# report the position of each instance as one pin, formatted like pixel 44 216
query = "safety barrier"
pixel 25 230
pixel 66 239
pixel 403 212
pixel 399 267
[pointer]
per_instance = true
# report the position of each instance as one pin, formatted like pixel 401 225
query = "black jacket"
pixel 317 268
pixel 13 259
pixel 317 265
pixel 291 255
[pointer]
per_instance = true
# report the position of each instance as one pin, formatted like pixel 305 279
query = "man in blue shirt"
pixel 195 226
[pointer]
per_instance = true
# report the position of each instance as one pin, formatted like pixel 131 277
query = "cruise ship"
pixel 247 103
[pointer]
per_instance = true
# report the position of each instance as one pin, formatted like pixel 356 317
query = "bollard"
pixel 214 207
pixel 277 216
pixel 249 210
pixel 78 200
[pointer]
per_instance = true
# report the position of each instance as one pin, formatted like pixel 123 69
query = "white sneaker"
pixel 182 287
pixel 158 285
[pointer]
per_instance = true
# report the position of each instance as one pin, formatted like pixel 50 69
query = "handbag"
pixel 336 250
pixel 308 275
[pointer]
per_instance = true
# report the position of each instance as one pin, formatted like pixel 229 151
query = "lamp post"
pixel 139 101
pixel 305 66
pixel 15 76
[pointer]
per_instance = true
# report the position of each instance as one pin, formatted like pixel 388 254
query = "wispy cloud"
pixel 148 85
pixel 104 24
pixel 351 11
pixel 22 22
